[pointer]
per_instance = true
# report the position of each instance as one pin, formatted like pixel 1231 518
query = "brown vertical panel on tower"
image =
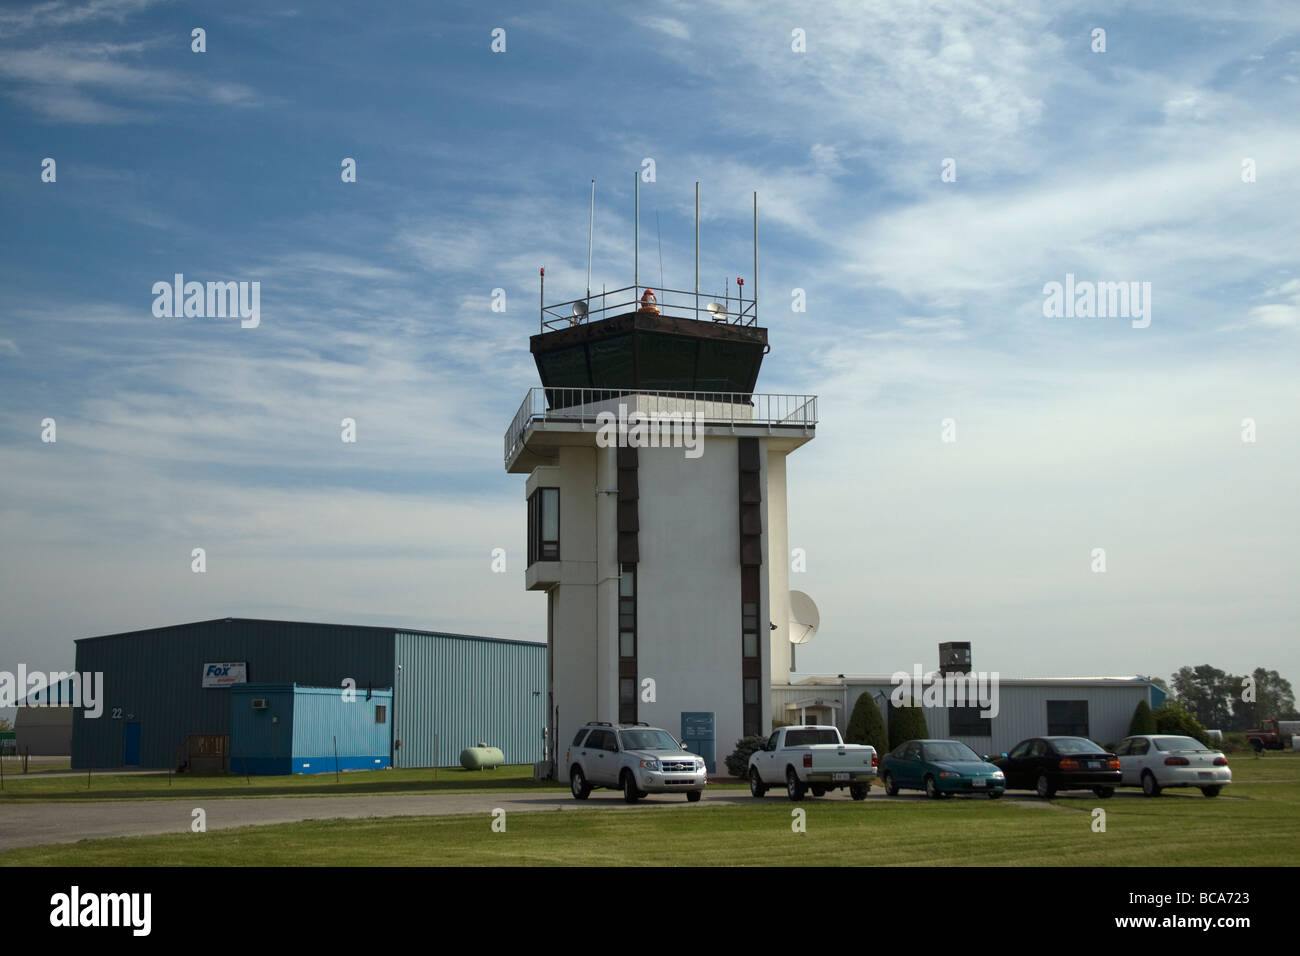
pixel 751 499
pixel 627 511
pixel 626 632
pixel 751 558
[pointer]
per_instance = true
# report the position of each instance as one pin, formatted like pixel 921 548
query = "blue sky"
pixel 924 303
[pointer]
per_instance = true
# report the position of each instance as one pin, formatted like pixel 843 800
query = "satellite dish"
pixel 579 310
pixel 804 618
pixel 717 310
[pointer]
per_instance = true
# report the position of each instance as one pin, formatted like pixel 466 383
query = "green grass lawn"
pixel 1255 822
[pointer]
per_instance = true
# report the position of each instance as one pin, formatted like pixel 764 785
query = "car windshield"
pixel 1178 743
pixel 949 750
pixel 649 740
pixel 1076 745
pixel 808 737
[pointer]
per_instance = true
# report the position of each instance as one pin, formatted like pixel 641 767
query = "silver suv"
pixel 635 758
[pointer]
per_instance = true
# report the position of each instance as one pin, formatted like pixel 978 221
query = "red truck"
pixel 1274 735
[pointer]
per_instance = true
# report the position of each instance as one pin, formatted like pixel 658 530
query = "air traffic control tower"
pixel 657 515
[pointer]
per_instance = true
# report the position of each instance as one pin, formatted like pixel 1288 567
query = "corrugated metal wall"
pixel 44 731
pixel 467 690
pixel 154 678
pixel 321 716
pixel 261 741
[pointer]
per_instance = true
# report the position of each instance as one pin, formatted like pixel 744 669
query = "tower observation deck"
pixel 670 351
pixel 672 342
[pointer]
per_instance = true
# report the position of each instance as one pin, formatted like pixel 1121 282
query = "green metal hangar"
pixel 243 695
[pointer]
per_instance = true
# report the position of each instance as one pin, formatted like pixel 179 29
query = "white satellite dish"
pixel 804 618
pixel 579 310
pixel 717 310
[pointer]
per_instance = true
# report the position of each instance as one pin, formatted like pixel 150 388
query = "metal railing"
pixel 582 406
pixel 722 309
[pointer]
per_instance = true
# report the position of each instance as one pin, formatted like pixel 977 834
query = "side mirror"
pixel 987 758
pixel 1004 755
pixel 684 747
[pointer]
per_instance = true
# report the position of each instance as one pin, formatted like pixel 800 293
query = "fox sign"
pixel 223 675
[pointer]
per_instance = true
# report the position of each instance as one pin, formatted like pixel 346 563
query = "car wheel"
pixel 1044 787
pixel 818 791
pixel 1211 791
pixel 1149 785
pixel 578 784
pixel 1104 792
pixel 693 796
pixel 932 789
pixel 793 788
pixel 995 794
pixel 630 793
pixel 756 786
pixel 891 788
pixel 859 791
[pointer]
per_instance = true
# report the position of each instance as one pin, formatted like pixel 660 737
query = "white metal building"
pixel 1099 708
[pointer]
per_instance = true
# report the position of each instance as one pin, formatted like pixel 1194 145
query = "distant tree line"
pixel 1231 702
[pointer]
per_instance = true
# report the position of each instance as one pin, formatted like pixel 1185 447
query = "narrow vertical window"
pixel 544 525
pixel 627 612
pixel 753 710
pixel 627 700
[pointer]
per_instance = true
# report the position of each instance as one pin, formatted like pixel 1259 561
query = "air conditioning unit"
pixel 259 703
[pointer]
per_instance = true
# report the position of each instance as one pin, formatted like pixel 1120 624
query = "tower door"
pixel 698 735
pixel 131 744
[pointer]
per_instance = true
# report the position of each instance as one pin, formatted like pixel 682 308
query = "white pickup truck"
pixel 812 758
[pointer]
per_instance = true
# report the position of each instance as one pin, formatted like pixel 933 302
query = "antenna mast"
pixel 636 229
pixel 697 248
pixel 660 240
pixel 591 222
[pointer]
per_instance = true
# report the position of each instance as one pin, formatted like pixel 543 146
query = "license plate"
pixel 1094 764
pixel 839 776
pixel 1205 774
pixel 979 783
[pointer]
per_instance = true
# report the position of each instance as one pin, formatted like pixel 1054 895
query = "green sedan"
pixel 940 768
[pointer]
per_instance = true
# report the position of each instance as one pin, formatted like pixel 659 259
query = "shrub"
pixel 906 723
pixel 1171 718
pixel 738 761
pixel 1234 743
pixel 866 726
pixel 1143 722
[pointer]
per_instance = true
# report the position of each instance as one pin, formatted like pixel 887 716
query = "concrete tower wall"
pixel 688 582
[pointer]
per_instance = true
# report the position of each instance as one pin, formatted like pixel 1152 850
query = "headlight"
pixel 701 765
pixel 999 775
pixel 650 764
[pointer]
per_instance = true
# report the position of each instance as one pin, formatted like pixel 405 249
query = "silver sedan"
pixel 1157 761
